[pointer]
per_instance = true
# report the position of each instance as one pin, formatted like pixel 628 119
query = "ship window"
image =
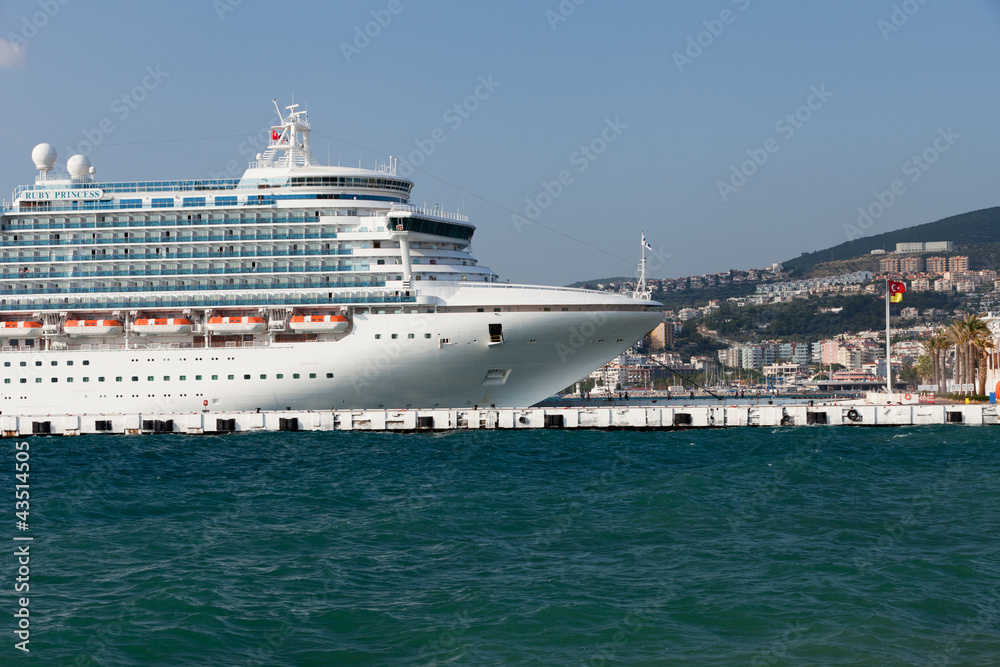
pixel 135 378
pixel 280 375
pixel 312 375
pixel 6 364
pixel 86 362
pixel 100 379
pixel 23 380
pixel 118 378
pixel 86 379
pixel 55 363
pixel 38 380
pixel 230 377
pixel 183 378
pixel 197 377
pixel 329 375
pixel 395 336
pixel 427 335
pixel 295 376
pixel 546 309
pixel 377 336
pixel 263 376
pixel 166 378
pixel 67 379
pixel 24 363
pixel 6 380
pixel 68 363
pixel 38 363
pixel 215 377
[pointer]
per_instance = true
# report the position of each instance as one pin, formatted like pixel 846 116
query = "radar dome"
pixel 78 166
pixel 44 156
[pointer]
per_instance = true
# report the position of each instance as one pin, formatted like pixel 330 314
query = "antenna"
pixel 275 100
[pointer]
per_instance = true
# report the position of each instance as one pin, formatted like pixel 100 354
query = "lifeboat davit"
pixel 319 323
pixel 169 326
pixel 93 327
pixel 20 329
pixel 237 324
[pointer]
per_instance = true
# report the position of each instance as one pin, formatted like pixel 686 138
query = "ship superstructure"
pixel 297 286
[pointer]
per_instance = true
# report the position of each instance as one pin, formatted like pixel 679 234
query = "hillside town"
pixel 927 353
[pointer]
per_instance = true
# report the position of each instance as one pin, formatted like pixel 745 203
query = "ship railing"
pixel 435 212
pixel 183 222
pixel 184 345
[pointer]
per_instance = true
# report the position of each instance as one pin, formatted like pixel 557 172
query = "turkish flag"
pixel 274 135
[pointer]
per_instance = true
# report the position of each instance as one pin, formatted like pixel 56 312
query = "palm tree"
pixel 964 334
pixel 936 347
pixel 979 335
pixel 957 336
pixel 984 346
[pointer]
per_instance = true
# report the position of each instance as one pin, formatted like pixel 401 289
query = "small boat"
pixel 236 324
pixel 93 327
pixel 20 329
pixel 319 323
pixel 169 326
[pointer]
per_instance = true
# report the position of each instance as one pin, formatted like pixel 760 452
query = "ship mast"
pixel 641 291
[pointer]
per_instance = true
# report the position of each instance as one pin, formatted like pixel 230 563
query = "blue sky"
pixel 577 127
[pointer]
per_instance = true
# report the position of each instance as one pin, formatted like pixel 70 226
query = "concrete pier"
pixel 405 421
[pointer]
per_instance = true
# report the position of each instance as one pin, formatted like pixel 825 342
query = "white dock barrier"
pixel 406 421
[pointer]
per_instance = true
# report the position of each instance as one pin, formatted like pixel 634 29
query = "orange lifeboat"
pixel 319 323
pixel 236 324
pixel 93 327
pixel 20 329
pixel 166 326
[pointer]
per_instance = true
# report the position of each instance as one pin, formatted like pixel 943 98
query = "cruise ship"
pixel 298 286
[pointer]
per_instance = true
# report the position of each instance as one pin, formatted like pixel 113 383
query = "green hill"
pixel 976 234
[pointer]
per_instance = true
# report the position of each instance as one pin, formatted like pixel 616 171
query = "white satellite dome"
pixel 44 157
pixel 78 166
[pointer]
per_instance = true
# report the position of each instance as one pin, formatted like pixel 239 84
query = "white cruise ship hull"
pixel 357 371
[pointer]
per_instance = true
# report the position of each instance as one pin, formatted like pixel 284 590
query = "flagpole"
pixel 888 358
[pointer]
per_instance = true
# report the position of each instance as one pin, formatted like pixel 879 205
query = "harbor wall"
pixel 403 421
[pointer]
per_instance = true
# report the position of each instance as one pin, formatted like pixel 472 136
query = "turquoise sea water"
pixel 834 546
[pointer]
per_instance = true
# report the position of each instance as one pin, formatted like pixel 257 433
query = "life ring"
pixel 853 415
pixel 399 228
pixel 907 397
